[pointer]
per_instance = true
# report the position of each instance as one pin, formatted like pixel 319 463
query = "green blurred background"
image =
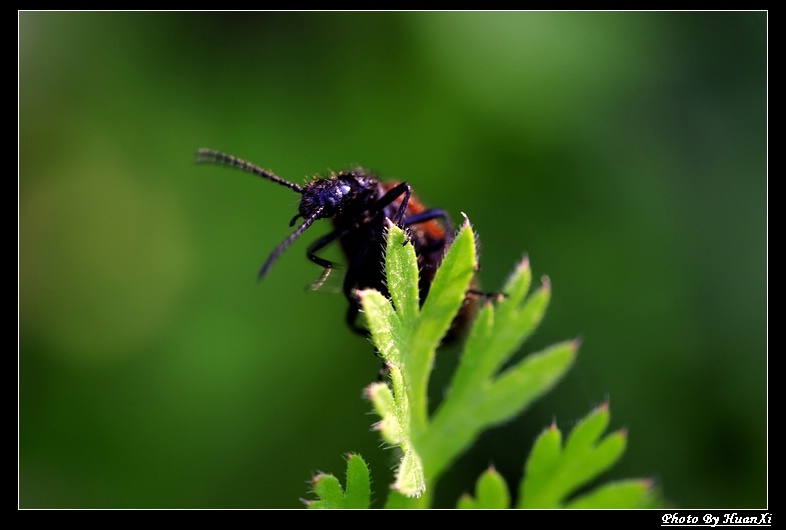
pixel 624 153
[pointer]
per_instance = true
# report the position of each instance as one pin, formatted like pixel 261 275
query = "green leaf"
pixel 626 494
pixel 393 324
pixel 489 386
pixel 328 489
pixel 409 475
pixel 382 320
pixel 401 266
pixel 491 492
pixel 552 473
pixel 520 385
pixel 544 457
pixel 444 300
pixel 385 405
pixel 479 397
pixel 588 430
pixel 448 289
pixel 358 491
pixel 407 337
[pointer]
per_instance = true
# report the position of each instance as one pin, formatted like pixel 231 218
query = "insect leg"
pixel 326 265
pixel 391 195
pixel 430 215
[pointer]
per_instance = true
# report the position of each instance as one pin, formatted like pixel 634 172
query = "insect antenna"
pixel 288 241
pixel 205 155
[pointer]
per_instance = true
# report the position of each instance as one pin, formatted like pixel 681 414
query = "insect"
pixel 358 203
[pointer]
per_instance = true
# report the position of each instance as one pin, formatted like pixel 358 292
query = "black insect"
pixel 358 203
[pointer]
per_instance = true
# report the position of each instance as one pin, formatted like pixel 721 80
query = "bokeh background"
pixel 624 153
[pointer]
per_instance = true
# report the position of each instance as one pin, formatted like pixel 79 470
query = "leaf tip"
pixel 545 283
pixel 400 488
pixel 371 390
pixel 361 293
pixel 523 265
pixel 316 477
